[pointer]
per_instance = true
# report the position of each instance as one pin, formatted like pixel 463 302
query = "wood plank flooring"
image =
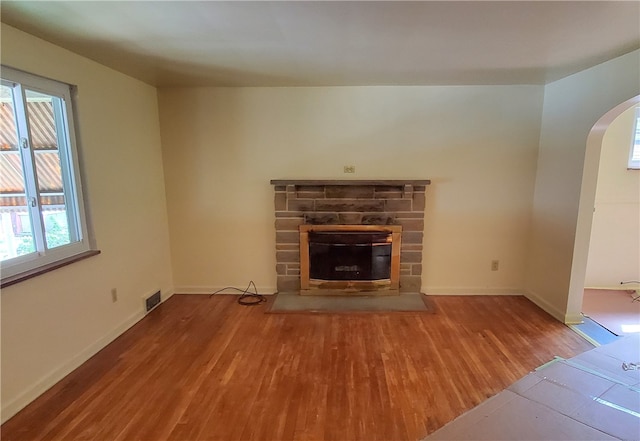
pixel 206 368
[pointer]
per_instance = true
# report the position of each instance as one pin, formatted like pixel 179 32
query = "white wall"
pixel 565 181
pixel 478 145
pixel 614 250
pixel 54 322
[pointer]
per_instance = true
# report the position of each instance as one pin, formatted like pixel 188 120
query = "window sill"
pixel 20 277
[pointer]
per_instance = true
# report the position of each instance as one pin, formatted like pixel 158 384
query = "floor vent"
pixel 152 301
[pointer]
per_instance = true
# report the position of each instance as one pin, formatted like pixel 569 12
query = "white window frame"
pixel 81 242
pixel 634 151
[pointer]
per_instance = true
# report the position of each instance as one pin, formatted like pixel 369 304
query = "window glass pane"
pixel 44 126
pixel 16 238
pixel 635 154
pixel 38 158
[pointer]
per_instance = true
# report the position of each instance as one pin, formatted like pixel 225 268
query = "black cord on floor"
pixel 246 298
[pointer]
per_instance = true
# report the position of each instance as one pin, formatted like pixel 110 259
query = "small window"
pixel 634 154
pixel 42 219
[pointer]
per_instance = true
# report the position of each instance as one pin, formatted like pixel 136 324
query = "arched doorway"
pixel 587 200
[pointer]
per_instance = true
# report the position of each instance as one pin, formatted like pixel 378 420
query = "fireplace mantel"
pixel 313 182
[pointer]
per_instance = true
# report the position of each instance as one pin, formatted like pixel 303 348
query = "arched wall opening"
pixel 586 205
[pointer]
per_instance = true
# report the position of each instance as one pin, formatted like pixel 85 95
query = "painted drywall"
pixel 478 145
pixel 614 248
pixel 566 181
pixel 54 322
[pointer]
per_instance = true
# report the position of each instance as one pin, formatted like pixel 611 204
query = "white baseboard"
pixel 548 307
pixel 166 294
pixel 471 291
pixel 625 287
pixel 46 382
pixel 208 290
pixel 572 319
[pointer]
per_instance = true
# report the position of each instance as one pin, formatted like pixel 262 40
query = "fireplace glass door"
pixel 352 255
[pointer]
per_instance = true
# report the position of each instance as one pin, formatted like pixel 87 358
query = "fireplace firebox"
pixel 349 255
pixel 355 259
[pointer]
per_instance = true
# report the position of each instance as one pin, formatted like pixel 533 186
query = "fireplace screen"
pixel 350 258
pixel 350 255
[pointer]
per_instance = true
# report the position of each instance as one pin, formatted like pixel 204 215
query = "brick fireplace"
pixel 397 204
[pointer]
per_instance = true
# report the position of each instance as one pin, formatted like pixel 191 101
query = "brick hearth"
pixel 349 202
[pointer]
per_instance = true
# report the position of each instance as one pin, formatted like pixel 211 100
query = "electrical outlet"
pixel 114 295
pixel 349 168
pixel 495 265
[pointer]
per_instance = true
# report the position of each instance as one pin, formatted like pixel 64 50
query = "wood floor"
pixel 206 368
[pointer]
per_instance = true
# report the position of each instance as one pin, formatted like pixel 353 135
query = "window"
pixel 42 217
pixel 634 154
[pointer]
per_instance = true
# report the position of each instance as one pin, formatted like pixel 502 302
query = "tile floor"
pixel 588 397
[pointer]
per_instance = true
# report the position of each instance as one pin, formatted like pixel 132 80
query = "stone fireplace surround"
pixel 348 202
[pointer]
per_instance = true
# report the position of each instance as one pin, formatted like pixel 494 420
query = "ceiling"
pixel 320 43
